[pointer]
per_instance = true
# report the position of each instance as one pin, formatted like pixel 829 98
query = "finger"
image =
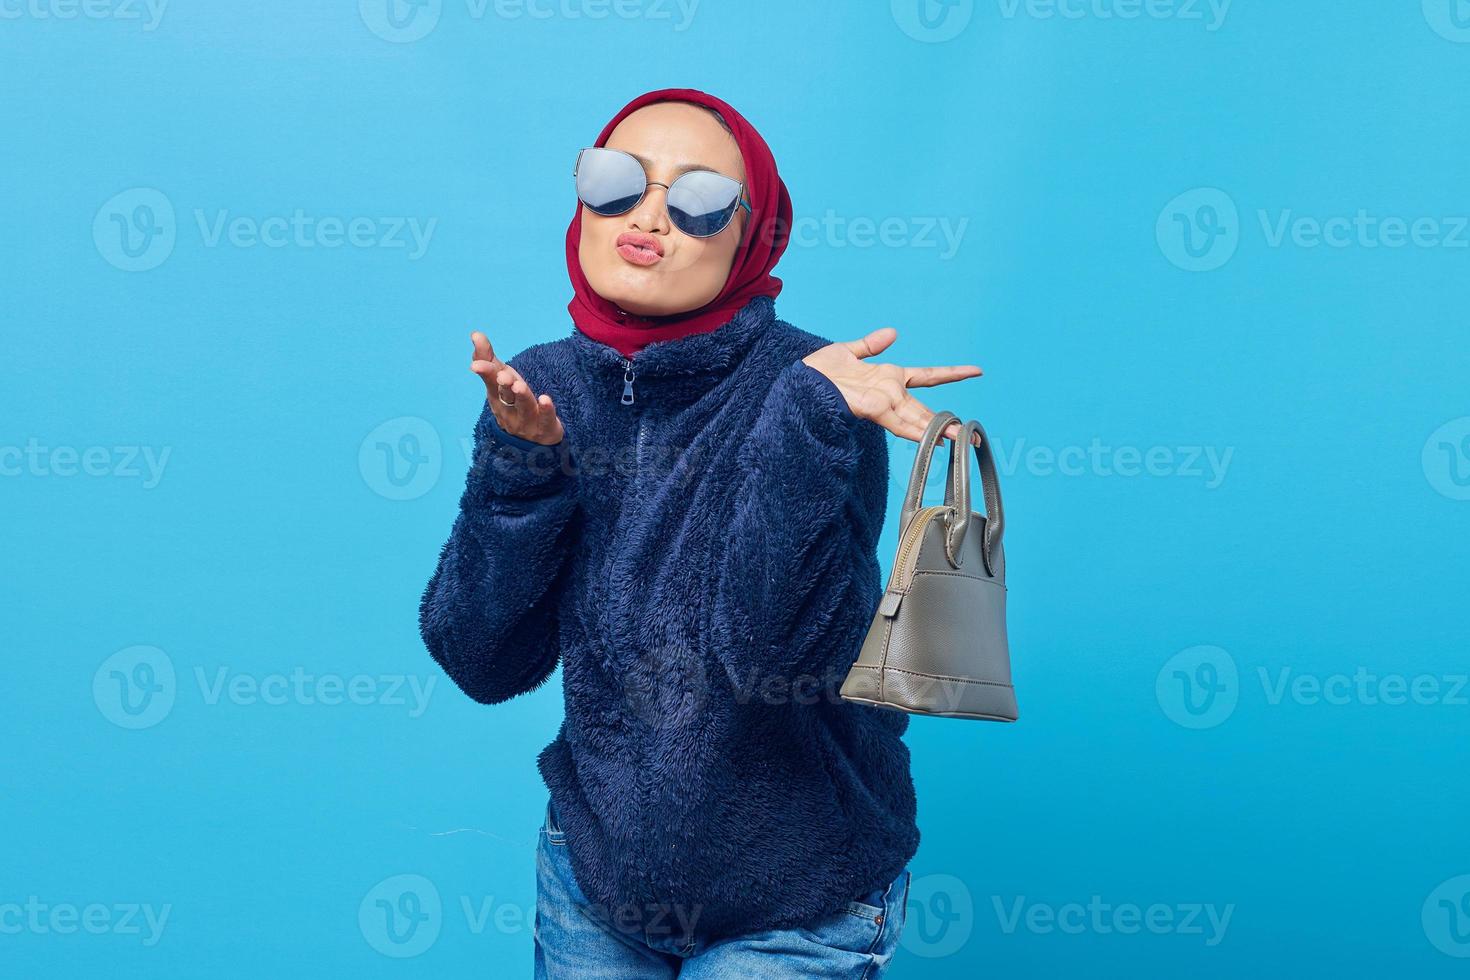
pixel 516 390
pixel 928 377
pixel 535 412
pixel 874 343
pixel 894 422
pixel 497 374
pixel 905 417
pixel 540 414
pixel 500 380
pixel 483 350
pixel 916 411
pixel 546 409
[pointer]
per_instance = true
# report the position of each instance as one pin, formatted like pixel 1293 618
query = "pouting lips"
pixel 639 249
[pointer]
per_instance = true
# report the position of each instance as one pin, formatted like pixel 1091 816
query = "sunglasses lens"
pixel 609 182
pixel 701 204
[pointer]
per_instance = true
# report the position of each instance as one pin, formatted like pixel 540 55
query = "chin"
pixel 644 294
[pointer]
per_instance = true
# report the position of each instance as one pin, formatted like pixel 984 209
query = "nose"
pixel 651 215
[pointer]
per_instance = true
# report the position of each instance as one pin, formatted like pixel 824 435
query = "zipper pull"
pixel 627 381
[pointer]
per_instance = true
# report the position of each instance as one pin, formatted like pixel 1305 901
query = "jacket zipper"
pixel 628 376
pixel 627 399
pixel 631 627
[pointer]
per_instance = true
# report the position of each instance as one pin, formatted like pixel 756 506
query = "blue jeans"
pixel 576 941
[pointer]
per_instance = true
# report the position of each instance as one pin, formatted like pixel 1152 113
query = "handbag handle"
pixel 958 495
pixel 913 496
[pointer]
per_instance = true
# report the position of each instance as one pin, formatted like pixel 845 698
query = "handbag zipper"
pixel 901 577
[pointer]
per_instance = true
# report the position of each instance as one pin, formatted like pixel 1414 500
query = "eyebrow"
pixel 682 168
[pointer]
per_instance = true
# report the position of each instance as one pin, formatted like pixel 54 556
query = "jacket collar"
pixel 683 367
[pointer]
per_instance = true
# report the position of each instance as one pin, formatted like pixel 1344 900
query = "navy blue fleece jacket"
pixel 699 554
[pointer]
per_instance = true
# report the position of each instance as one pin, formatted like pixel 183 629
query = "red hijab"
pixel 768 226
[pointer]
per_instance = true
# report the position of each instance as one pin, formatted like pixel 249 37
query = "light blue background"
pixel 1334 543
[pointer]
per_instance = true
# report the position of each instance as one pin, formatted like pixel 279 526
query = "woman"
pixel 680 502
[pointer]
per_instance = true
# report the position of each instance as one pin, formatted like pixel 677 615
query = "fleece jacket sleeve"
pixel 799 564
pixel 489 614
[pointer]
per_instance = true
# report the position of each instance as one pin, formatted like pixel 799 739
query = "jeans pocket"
pixel 854 928
pixel 857 927
pixel 550 829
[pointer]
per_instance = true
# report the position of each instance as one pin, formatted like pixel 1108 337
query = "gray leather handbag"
pixel 937 645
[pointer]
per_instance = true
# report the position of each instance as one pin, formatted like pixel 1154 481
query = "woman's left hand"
pixel 879 392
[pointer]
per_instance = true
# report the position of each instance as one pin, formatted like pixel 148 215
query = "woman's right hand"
pixel 530 417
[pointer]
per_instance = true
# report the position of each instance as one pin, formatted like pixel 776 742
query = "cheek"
pixel 591 237
pixel 711 259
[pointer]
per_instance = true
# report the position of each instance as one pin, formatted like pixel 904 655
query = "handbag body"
pixel 937 644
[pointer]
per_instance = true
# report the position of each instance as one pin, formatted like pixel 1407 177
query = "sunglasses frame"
pixel 742 200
